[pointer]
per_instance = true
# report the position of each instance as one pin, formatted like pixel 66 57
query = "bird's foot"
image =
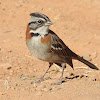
pixel 58 83
pixel 40 80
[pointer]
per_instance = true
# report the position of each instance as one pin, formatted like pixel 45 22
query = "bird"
pixel 46 45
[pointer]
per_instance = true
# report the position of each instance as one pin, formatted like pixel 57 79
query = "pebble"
pixel 35 70
pixel 16 84
pixel 94 79
pixel 72 74
pixel 9 50
pixel 13 88
pixel 94 76
pixel 5 66
pixel 47 89
pixel 81 76
pixel 11 72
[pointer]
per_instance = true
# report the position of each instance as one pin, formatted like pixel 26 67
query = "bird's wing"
pixel 58 47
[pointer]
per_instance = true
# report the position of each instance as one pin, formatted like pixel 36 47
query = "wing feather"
pixel 58 47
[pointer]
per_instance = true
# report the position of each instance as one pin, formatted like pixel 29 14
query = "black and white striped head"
pixel 39 21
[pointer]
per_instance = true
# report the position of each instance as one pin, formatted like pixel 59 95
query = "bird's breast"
pixel 39 47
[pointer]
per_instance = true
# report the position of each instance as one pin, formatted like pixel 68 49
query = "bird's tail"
pixel 81 59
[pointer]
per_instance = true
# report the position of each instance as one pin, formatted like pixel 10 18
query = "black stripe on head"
pixel 40 15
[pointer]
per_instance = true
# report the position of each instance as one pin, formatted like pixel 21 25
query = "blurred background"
pixel 76 22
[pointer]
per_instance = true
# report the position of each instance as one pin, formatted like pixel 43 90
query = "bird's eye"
pixel 40 21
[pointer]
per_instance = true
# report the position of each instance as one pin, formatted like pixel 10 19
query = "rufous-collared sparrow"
pixel 47 46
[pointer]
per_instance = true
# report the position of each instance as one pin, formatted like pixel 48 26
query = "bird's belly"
pixel 42 51
pixel 37 49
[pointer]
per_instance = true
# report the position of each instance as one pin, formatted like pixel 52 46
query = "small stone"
pixel 72 74
pixel 33 82
pixel 5 66
pixel 94 76
pixel 13 88
pixel 9 50
pixel 47 89
pixel 16 84
pixel 6 57
pixel 11 72
pixel 94 79
pixel 81 76
pixel 35 70
pixel 9 68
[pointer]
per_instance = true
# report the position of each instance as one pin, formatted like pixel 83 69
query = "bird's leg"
pixel 42 77
pixel 60 81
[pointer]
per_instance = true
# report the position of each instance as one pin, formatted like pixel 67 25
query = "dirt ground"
pixel 77 23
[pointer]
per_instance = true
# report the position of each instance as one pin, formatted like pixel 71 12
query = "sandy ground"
pixel 77 22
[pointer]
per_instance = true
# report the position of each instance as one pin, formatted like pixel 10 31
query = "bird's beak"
pixel 48 23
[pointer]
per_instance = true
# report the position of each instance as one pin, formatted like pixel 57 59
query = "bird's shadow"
pixel 70 78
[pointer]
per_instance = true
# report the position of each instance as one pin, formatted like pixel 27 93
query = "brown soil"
pixel 77 23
